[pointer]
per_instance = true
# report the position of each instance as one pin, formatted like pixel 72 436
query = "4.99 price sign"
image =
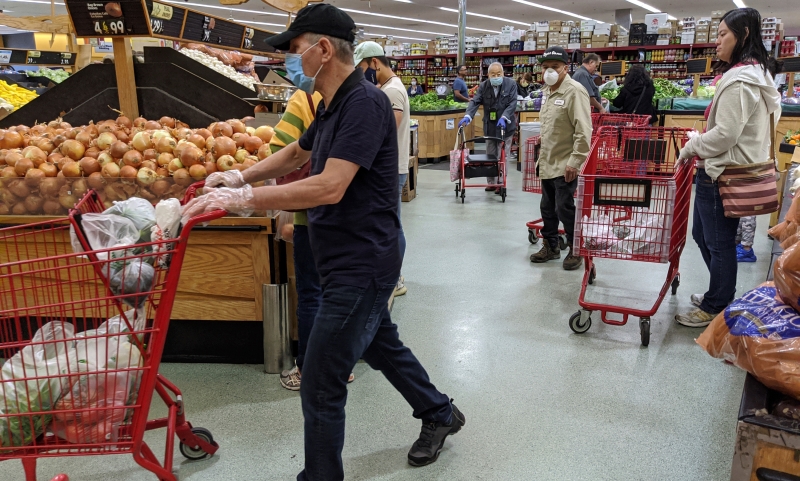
pixel 108 18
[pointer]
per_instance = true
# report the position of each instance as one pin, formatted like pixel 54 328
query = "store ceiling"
pixel 412 20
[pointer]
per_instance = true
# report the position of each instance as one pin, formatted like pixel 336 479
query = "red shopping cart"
pixel 632 204
pixel 533 184
pixel 618 120
pixel 82 336
pixel 482 165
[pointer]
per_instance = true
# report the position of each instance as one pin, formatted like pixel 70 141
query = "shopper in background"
pixel 525 84
pixel 566 130
pixel 296 118
pixel 498 96
pixel 353 225
pixel 460 91
pixel 585 76
pixel 371 55
pixel 636 94
pixel 738 133
pixel 415 88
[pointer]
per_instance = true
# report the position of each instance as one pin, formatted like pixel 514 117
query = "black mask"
pixel 371 75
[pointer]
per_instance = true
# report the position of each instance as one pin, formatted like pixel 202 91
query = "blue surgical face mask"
pixel 496 81
pixel 294 70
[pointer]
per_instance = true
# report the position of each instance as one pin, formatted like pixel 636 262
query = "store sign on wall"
pixel 104 47
pixel 450 124
pixel 5 57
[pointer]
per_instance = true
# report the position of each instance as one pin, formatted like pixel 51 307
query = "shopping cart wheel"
pixel 644 330
pixel 503 193
pixel 592 275
pixel 579 325
pixel 458 187
pixel 532 237
pixel 675 283
pixel 195 454
pixel 562 242
pixel 463 193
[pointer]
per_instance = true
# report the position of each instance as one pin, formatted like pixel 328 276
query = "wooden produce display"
pixel 528 116
pixel 437 132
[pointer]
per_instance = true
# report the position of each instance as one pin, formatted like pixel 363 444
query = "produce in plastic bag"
pixel 793 214
pixel 597 232
pixel 168 223
pixel 138 210
pixel 104 231
pixel 644 235
pixel 787 276
pixel 285 226
pixel 136 276
pixel 760 334
pixel 39 391
pixel 783 231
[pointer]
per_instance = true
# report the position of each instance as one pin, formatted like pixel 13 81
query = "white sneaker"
pixel 291 380
pixel 400 289
pixel 695 318
pixel 697 299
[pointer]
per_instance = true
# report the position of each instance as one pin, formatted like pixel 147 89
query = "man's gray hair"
pixel 344 49
pixel 498 64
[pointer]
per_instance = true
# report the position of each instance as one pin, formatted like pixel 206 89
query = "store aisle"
pixel 491 328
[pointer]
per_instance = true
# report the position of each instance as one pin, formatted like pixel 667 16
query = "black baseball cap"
pixel 320 18
pixel 555 53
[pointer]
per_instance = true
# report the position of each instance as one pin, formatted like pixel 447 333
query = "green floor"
pixel 541 402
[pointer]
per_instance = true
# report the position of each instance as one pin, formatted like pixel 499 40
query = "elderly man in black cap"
pixel 351 197
pixel 566 131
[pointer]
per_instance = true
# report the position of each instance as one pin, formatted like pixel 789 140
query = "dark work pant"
pixel 715 234
pixel 558 204
pixel 309 292
pixel 354 323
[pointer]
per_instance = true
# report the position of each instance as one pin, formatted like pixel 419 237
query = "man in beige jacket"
pixel 566 130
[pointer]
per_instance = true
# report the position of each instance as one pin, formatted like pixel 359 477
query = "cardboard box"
pixel 687 38
pixel 588 23
pixel 505 40
pixel 600 38
pixel 623 41
pixel 586 45
pixel 702 28
pixel 655 21
pixel 529 45
pixel 542 27
pixel 574 46
pixel 586 35
pixel 717 14
pixel 665 31
pixel 662 41
pixel 555 29
pixel 410 188
pixel 701 38
pixel 599 44
pixel 602 29
pixel 588 28
pixel 566 29
pixel 542 34
pixel 554 23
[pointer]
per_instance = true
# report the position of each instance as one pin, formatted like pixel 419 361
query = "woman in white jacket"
pixel 738 132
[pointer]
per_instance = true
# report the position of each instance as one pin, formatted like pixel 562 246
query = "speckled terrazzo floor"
pixel 541 402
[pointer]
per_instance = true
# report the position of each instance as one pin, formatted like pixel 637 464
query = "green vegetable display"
pixel 610 94
pixel 56 76
pixel 665 89
pixel 431 101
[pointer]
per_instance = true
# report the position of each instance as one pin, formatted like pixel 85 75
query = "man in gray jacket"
pixel 498 95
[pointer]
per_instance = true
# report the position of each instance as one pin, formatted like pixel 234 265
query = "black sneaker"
pixel 431 439
pixel 546 253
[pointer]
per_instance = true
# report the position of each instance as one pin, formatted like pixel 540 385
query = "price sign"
pixel 790 64
pixel 5 57
pixel 254 40
pixel 108 18
pixel 699 66
pixel 212 30
pixel 33 56
pixel 161 11
pixel 612 69
pixel 66 58
pixel 36 57
pixel 165 21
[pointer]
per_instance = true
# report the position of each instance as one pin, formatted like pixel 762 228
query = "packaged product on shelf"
pixel 759 333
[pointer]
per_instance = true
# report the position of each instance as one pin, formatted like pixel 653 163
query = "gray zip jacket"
pixel 738 131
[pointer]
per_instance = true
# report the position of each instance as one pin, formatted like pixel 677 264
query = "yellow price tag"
pixel 164 12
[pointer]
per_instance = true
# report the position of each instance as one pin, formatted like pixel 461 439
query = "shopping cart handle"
pixel 191 193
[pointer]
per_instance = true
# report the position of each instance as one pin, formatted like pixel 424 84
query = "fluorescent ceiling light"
pixel 398 28
pixel 485 16
pixel 248 22
pixel 670 17
pixel 645 6
pixel 394 36
pixel 219 7
pixel 545 7
pixel 413 19
pixel 35 1
pixel 739 3
pixel 404 1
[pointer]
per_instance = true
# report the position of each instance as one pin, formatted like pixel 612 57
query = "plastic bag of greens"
pixel 610 85
pixel 133 277
pixel 104 231
pixel 33 380
pixel 138 210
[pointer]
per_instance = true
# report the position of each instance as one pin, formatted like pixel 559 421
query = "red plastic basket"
pixel 71 400
pixel 633 195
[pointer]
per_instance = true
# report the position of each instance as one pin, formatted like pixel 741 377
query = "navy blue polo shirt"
pixel 355 242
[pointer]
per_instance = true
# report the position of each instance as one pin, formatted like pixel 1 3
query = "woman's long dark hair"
pixel 745 25
pixel 637 75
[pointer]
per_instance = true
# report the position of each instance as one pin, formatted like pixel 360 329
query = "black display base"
pixel 229 342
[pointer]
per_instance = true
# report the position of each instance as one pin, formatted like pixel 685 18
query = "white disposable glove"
pixel 235 201
pixel 231 178
pixel 691 134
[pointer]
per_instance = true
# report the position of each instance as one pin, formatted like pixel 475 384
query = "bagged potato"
pixel 787 276
pixel 760 334
pixel 793 214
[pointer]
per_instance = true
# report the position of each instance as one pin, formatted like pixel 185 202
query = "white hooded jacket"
pixel 738 131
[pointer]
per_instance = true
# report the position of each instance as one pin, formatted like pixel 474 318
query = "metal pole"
pixel 277 353
pixel 462 28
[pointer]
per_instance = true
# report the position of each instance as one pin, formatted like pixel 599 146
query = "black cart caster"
pixel 675 283
pixel 503 194
pixel 579 325
pixel 532 237
pixel 644 330
pixel 458 187
pixel 562 242
pixel 592 275
pixel 463 193
pixel 197 453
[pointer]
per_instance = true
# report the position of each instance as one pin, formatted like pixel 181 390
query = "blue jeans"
pixel 715 234
pixel 309 292
pixel 354 323
pixel 402 236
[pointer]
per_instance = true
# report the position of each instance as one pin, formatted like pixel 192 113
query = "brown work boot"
pixel 547 253
pixel 572 262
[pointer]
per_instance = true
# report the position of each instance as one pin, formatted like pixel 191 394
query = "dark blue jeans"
pixel 309 292
pixel 715 234
pixel 402 237
pixel 354 323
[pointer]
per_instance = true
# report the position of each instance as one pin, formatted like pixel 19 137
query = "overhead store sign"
pixel 147 18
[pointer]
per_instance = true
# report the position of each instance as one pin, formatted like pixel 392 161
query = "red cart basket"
pixel 533 184
pixel 632 204
pixel 618 120
pixel 82 338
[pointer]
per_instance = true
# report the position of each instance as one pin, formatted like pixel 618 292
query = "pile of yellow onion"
pixel 46 168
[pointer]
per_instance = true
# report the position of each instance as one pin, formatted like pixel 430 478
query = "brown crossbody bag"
pixel 751 189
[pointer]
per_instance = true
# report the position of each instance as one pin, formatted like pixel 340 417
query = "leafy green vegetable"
pixel 610 94
pixel 56 76
pixel 431 101
pixel 665 89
